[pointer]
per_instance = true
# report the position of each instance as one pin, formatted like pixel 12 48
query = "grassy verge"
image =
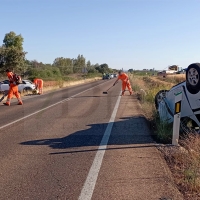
pixel 175 79
pixel 146 89
pixel 92 75
pixel 61 81
pixel 184 164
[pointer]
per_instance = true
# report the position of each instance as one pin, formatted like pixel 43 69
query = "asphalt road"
pixel 65 145
pixel 33 165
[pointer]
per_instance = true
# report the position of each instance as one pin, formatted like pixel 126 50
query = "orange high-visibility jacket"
pixel 11 79
pixel 13 89
pixel 123 77
pixel 38 81
pixel 35 81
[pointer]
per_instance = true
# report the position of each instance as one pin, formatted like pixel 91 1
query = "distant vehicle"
pixel 174 69
pixel 108 76
pixel 26 85
pixel 111 75
pixel 183 71
pixel 115 75
pixel 105 76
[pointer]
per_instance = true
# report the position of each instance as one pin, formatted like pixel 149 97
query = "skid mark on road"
pixel 43 109
pixel 89 185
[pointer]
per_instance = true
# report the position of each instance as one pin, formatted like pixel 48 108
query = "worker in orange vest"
pixel 39 85
pixel 125 82
pixel 13 89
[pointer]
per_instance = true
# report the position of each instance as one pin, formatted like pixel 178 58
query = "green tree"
pixel 88 64
pixel 103 68
pixel 90 68
pixel 11 52
pixel 2 57
pixel 79 64
pixel 64 64
pixel 13 40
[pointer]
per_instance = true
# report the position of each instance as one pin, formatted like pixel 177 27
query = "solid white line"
pixel 67 99
pixel 89 185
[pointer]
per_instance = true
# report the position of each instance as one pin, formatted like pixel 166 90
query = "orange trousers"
pixel 126 84
pixel 13 90
pixel 40 85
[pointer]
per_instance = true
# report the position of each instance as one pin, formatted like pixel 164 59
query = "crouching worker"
pixel 13 89
pixel 39 85
pixel 125 82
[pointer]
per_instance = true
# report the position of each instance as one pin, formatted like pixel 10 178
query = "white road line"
pixel 89 185
pixel 63 101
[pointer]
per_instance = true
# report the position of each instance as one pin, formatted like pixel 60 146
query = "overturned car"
pixel 190 104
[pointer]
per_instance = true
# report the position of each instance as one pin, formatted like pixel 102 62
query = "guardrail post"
pixel 177 117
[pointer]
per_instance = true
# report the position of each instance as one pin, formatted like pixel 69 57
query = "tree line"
pixel 13 56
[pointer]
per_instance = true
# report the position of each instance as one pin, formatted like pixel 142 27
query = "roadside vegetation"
pixel 174 79
pixel 183 161
pixel 146 88
pixel 13 56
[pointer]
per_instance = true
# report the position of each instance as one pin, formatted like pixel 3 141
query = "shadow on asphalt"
pixel 104 95
pixel 127 131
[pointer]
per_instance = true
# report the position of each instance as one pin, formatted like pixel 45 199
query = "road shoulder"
pixel 133 168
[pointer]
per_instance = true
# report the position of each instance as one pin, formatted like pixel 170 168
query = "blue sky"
pixel 125 34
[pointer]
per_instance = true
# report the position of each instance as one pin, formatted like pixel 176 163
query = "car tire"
pixel 26 89
pixel 193 78
pixel 191 89
pixel 159 96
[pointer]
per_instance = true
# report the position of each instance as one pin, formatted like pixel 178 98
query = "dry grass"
pixel 146 88
pixel 184 162
pixel 173 79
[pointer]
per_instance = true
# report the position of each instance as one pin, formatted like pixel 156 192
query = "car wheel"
pixel 191 89
pixel 27 89
pixel 159 97
pixel 193 78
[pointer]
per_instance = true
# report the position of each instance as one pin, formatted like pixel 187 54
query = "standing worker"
pixel 125 82
pixel 104 75
pixel 39 85
pixel 13 89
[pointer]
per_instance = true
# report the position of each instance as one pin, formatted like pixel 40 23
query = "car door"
pixel 4 85
pixel 21 86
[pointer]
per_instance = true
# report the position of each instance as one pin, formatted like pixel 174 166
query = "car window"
pixel 6 82
pixel 27 82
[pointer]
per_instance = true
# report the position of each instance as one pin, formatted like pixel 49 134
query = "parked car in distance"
pixel 26 85
pixel 108 76
pixel 111 76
